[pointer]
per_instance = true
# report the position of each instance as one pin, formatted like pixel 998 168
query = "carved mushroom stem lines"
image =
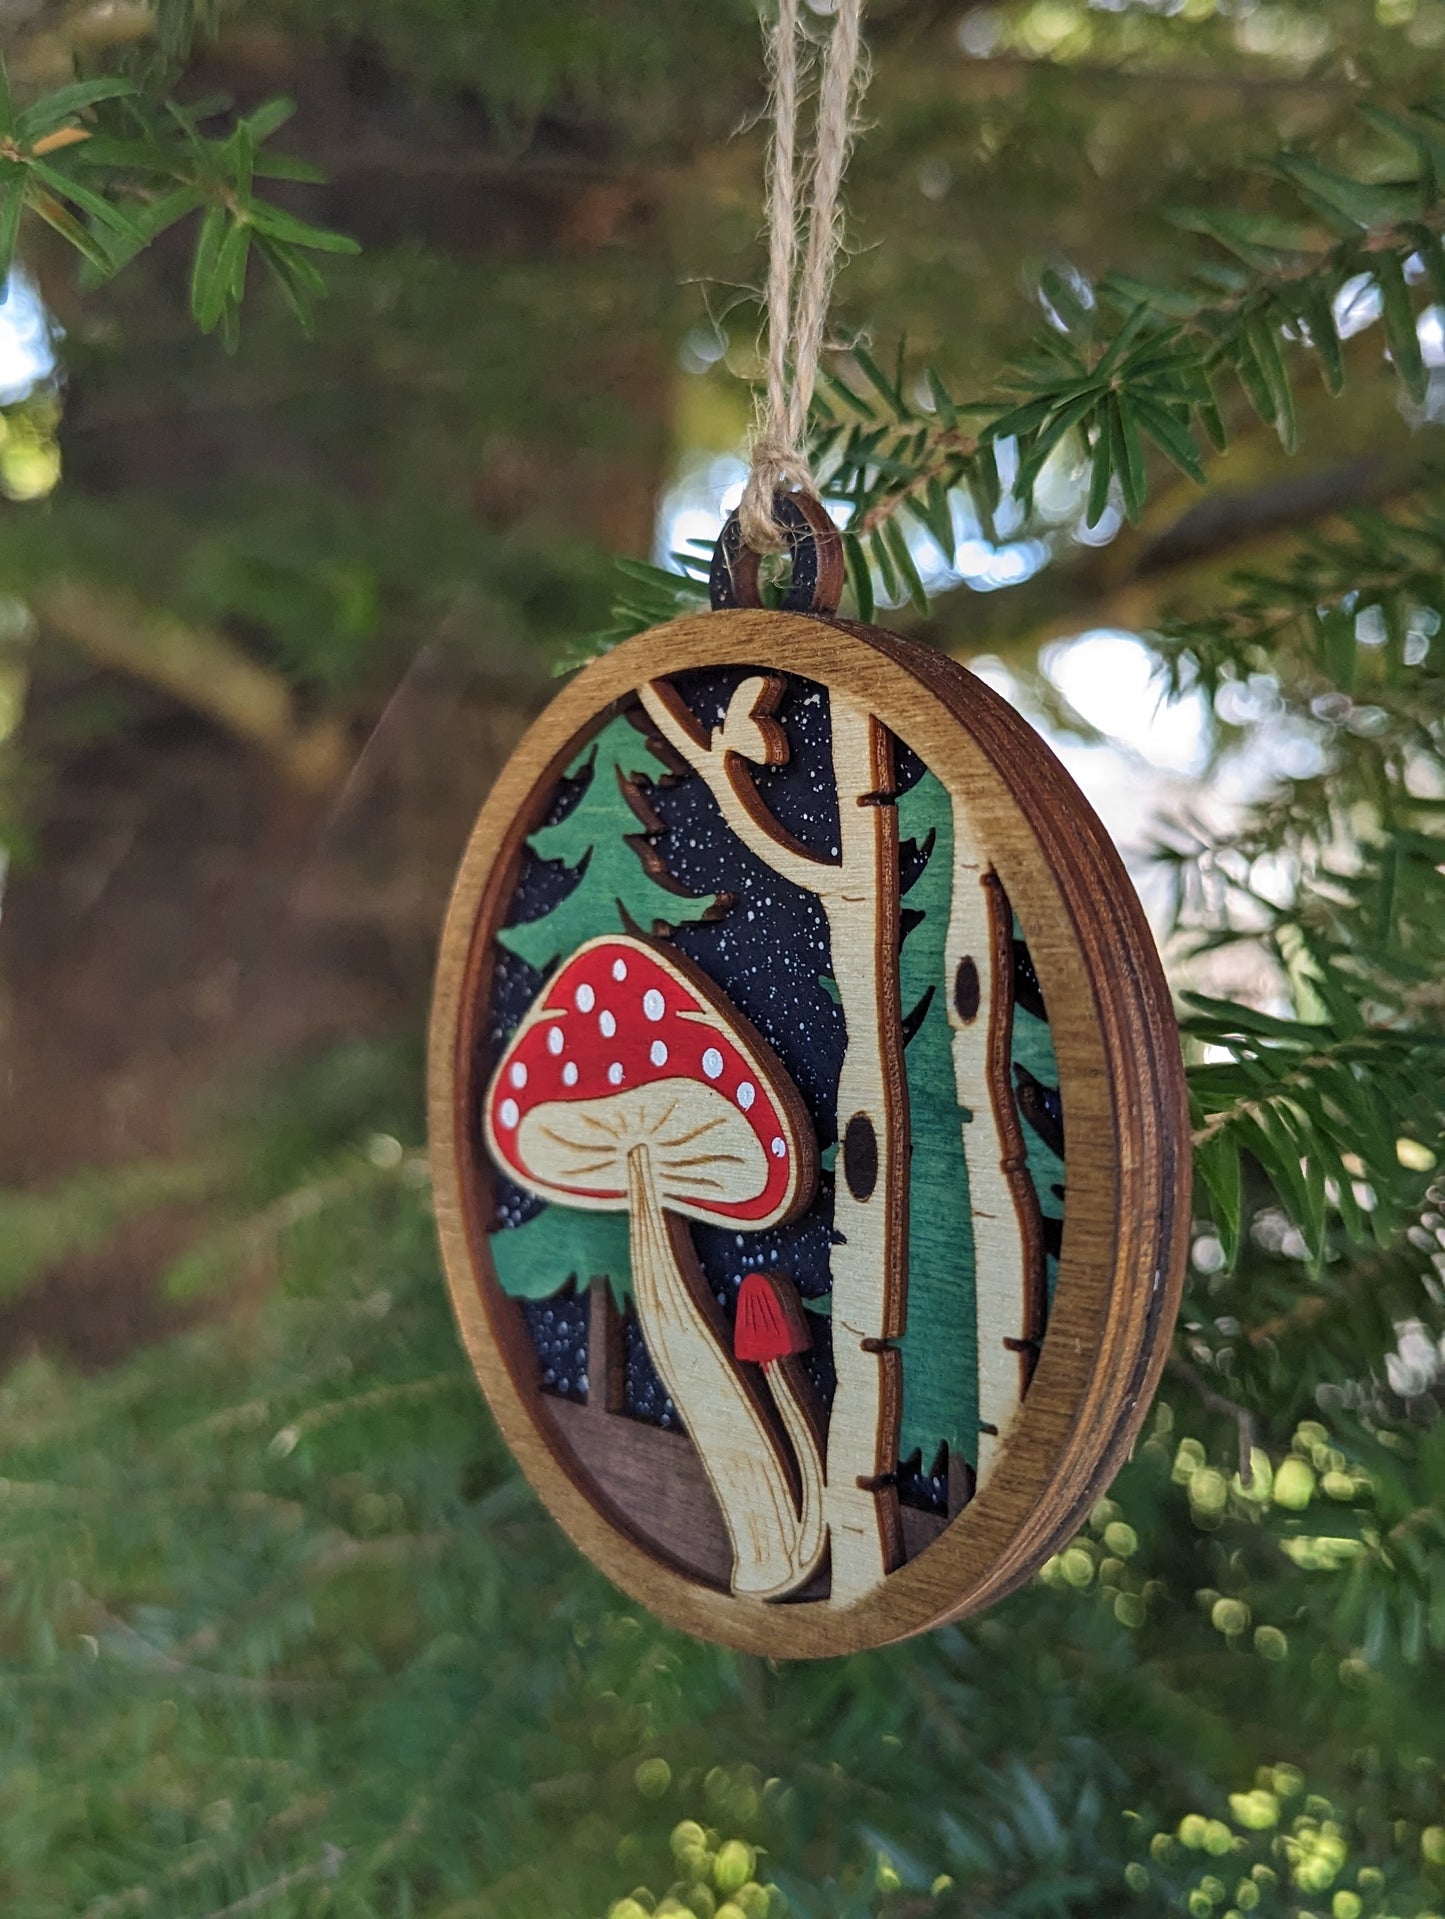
pixel 1009 1286
pixel 774 1548
pixel 858 892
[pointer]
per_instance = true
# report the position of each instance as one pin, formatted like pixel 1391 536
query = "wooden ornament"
pixel 809 1138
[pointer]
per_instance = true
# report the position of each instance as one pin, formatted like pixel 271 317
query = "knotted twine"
pixel 797 303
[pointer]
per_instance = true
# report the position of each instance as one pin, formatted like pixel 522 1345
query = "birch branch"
pixel 747 733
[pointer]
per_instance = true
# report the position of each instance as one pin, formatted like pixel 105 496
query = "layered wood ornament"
pixel 809 1136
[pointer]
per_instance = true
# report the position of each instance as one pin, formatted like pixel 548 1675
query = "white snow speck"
pixel 657 1053
pixel 606 1024
pixel 780 1149
pixel 518 1075
pixel 653 1003
pixel 555 1041
pixel 712 1062
pixel 508 1113
pixel 586 998
pixel 619 969
pixel 614 1073
pixel 747 1093
pixel 569 1073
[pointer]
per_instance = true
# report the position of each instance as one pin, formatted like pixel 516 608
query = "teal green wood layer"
pixel 940 1341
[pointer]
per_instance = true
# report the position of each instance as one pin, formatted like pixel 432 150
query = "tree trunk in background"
pixel 185 920
pixel 185 928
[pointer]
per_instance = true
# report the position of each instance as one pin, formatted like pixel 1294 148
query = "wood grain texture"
pixel 1121 1082
pixel 1153 1158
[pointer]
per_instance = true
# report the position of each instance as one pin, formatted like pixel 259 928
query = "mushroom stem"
pixel 803 1434
pixel 724 1419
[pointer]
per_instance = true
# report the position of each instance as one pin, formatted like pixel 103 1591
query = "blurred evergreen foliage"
pixel 281 1629
pixel 281 1623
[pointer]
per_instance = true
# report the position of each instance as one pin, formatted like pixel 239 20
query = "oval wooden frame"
pixel 1122 1086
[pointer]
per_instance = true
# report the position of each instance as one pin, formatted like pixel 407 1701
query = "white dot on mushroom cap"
pixel 586 998
pixel 747 1093
pixel 608 1024
pixel 653 1004
pixel 518 1074
pixel 614 1073
pixel 657 1053
pixel 712 1062
pixel 507 1112
pixel 555 1041
pixel 619 969
pixel 569 1073
pixel 780 1149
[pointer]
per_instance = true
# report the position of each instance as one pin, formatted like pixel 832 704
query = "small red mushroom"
pixel 770 1324
pixel 632 1086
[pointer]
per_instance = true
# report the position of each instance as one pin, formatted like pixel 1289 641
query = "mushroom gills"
pixel 775 1548
pixel 702 1153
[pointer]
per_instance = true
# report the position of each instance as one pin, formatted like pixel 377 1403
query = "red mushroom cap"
pixel 628 1045
pixel 770 1323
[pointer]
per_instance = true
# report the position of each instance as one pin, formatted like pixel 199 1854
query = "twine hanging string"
pixel 797 303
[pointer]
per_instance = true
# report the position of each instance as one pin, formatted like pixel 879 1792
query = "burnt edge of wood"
pixel 860 1156
pixel 1010 1130
pixel 896 1118
pixel 1125 1241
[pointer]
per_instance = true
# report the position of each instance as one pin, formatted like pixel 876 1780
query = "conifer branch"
pixel 1125 375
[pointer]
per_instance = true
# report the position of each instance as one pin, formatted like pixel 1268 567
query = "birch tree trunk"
pixel 870 1207
pixel 1007 1230
pixel 858 892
